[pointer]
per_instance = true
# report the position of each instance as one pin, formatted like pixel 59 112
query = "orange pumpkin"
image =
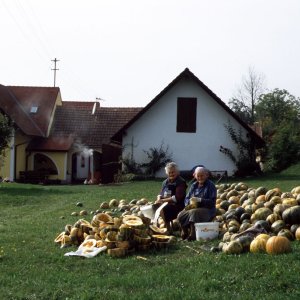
pixel 278 245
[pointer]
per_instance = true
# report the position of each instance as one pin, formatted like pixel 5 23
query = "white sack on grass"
pixel 87 252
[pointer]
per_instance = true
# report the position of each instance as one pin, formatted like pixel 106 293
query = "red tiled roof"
pixel 51 144
pixel 79 104
pixel 92 130
pixel 17 101
pixel 187 74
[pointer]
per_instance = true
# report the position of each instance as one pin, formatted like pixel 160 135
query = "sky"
pixel 126 52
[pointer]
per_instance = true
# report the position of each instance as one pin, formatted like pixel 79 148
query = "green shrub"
pixel 284 150
pixel 245 160
pixel 158 158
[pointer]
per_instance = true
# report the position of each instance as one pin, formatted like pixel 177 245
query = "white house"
pixel 188 118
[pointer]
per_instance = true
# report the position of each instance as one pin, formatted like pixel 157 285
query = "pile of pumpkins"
pixel 243 213
pixel 128 232
pixel 122 228
pixel 116 207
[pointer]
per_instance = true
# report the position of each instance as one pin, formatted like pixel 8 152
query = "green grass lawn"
pixel 33 267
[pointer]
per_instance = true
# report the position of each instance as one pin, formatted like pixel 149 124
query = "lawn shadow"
pixel 280 177
pixel 263 178
pixel 33 191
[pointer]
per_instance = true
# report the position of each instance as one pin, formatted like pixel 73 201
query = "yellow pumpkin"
pixel 83 213
pixel 234 200
pixel 260 199
pixel 117 222
pixel 258 245
pixel 233 206
pixel 271 193
pixel 104 205
pixel 113 203
pixel 263 236
pixel 290 201
pixel 234 223
pixel 66 241
pixel 276 200
pixel 273 218
pixel 59 238
pixel 74 232
pixel 296 190
pixel 233 247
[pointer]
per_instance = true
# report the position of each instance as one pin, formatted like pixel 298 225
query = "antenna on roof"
pixel 55 69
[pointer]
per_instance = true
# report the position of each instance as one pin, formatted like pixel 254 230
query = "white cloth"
pixel 87 252
pixel 157 212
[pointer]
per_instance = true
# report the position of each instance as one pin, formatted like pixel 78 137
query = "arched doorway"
pixel 45 164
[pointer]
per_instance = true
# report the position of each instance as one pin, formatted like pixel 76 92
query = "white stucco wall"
pixel 159 124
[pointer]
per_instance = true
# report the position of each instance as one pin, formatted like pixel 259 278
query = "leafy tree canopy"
pixel 279 114
pixel 277 108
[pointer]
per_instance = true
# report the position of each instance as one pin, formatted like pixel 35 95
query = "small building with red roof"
pixel 66 141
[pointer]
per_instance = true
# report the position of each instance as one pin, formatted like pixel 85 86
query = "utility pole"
pixel 55 69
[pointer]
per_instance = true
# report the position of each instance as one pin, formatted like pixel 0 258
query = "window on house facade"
pixel 186 114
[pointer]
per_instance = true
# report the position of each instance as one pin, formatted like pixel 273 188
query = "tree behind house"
pixel 244 101
pixel 279 114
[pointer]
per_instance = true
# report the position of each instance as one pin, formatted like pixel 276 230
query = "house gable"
pixel 157 124
pixel 187 75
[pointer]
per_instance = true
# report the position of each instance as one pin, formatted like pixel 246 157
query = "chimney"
pixel 95 107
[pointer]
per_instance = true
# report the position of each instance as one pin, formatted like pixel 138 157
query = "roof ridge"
pixel 188 73
pixel 101 107
pixel 80 101
pixel 31 86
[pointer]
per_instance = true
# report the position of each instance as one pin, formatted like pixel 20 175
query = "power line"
pixel 43 32
pixel 31 29
pixel 25 35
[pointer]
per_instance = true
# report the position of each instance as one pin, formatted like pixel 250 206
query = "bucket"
pixel 207 231
pixel 148 211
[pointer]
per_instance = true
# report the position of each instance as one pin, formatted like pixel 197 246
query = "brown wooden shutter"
pixel 186 114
